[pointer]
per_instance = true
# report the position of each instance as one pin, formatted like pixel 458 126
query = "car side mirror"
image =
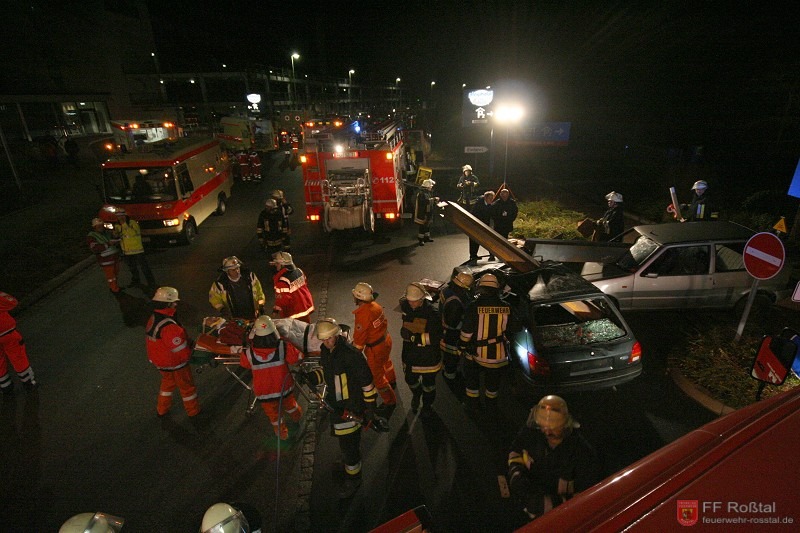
pixel 773 360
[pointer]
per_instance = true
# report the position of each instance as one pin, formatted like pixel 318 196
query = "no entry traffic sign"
pixel 764 255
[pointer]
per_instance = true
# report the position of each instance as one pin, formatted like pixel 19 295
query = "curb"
pixel 699 394
pixel 55 283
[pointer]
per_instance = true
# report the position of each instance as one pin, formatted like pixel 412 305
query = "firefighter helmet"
pixel 415 292
pixel 92 523
pixel 96 222
pixel 271 204
pixel 229 263
pixel 282 259
pixel 699 184
pixel 277 194
pixel 464 279
pixel 489 280
pixel 224 518
pixel 614 196
pixel 428 184
pixel 466 167
pixel 264 326
pixel 166 294
pixel 551 413
pixel 363 291
pixel 327 328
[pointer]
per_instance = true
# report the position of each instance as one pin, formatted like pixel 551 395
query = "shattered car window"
pixel 637 254
pixel 575 322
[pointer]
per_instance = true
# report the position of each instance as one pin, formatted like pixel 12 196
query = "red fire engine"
pixel 353 174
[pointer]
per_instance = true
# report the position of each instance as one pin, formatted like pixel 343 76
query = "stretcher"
pixel 213 348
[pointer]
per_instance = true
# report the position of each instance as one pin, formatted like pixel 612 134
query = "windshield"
pixel 138 186
pixel 637 254
pixel 575 322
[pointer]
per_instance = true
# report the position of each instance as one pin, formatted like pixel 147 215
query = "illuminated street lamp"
pixel 508 115
pixel 397 89
pixel 295 55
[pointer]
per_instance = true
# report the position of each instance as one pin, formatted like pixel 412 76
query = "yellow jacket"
pixel 130 237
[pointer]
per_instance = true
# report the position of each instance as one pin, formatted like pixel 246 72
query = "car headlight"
pixel 172 222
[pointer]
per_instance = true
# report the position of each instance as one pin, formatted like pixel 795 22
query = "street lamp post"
pixel 507 115
pixel 397 88
pixel 295 55
pixel 350 92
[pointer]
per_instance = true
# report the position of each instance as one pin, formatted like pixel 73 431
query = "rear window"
pixel 729 257
pixel 575 322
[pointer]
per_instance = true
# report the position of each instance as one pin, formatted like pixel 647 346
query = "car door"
pixel 678 276
pixel 731 279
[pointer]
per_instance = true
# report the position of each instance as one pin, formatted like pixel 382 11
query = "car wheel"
pixel 189 232
pixel 222 206
pixel 368 219
pixel 326 218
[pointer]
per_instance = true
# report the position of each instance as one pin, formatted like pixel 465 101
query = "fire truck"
pixel 353 174
pixel 169 187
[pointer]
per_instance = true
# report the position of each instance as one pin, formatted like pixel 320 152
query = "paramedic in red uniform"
pixel 244 165
pixel 292 297
pixel 169 349
pixel 371 337
pixel 107 253
pixel 255 165
pixel 269 357
pixel 12 349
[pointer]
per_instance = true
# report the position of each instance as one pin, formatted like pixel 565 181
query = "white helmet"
pixel 363 291
pixel 97 222
pixel 614 197
pixel 428 184
pixel 166 294
pixel 271 204
pixel 415 292
pixel 229 263
pixel 466 167
pixel 223 518
pixel 327 328
pixel 699 184
pixel 552 413
pixel 489 280
pixel 281 259
pixel 263 326
pixel 92 523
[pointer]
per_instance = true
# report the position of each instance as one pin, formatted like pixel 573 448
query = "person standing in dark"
pixel 71 148
pixel 612 224
pixel 702 207
pixel 423 211
pixel 482 211
pixel 467 183
pixel 504 213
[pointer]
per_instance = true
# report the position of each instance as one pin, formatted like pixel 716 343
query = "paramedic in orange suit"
pixel 370 336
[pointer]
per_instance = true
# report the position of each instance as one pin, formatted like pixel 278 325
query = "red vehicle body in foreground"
pixel 737 473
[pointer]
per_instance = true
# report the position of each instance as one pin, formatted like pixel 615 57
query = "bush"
pixel 546 219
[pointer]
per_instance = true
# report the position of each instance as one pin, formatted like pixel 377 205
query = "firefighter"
pixel 483 211
pixel 243 159
pixel 225 518
pixel 350 390
pixel 254 160
pixel 612 224
pixel 467 183
pixel 271 230
pixel 292 297
pixel 370 335
pixel 423 211
pixel 483 341
pixel 421 333
pixel 270 358
pixel 550 461
pixel 12 349
pixel 105 249
pixel 453 299
pixel 169 349
pixel 237 291
pixel 702 207
pixel 286 209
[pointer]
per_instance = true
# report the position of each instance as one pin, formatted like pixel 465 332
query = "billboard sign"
pixel 477 107
pixel 546 134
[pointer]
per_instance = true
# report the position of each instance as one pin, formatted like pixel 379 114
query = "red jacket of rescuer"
pixel 292 297
pixel 168 346
pixel 7 322
pixel 370 325
pixel 270 370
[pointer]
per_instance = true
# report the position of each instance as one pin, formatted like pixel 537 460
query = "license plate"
pixel 592 364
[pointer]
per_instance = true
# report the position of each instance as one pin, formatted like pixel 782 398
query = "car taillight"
pixel 636 353
pixel 537 365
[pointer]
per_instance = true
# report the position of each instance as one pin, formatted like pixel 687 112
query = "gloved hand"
pixel 406 334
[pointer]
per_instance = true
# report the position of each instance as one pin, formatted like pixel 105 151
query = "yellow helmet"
pixel 464 278
pixel 282 259
pixel 552 413
pixel 489 280
pixel 415 292
pixel 229 263
pixel 327 328
pixel 92 523
pixel 277 194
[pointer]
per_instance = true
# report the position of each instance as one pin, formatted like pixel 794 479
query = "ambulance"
pixel 245 134
pixel 170 187
pixel 354 174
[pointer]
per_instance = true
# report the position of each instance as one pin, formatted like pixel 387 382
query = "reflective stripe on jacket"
pixel 292 297
pixel 270 370
pixel 168 346
pixel 130 237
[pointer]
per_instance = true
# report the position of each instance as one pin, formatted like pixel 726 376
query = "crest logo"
pixel 688 512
